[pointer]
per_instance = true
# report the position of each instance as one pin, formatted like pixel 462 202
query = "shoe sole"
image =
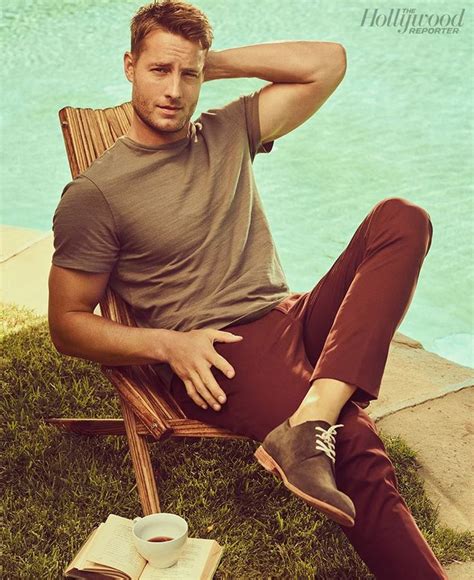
pixel 330 511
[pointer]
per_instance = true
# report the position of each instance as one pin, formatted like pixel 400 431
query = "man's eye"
pixel 159 69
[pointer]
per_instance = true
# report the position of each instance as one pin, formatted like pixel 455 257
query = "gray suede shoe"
pixel 304 457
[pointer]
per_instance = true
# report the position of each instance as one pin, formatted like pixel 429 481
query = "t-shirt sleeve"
pixel 242 115
pixel 85 236
pixel 252 119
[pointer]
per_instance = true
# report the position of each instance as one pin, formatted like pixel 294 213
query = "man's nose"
pixel 173 88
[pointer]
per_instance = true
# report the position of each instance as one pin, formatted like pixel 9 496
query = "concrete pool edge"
pixel 15 239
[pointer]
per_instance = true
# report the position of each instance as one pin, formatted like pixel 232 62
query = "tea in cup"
pixel 160 538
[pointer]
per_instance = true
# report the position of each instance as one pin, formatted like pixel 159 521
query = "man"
pixel 171 218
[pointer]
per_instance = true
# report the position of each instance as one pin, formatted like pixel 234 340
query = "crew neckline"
pixel 135 145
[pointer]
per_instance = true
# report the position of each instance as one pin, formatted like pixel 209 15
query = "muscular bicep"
pixel 72 291
pixel 285 106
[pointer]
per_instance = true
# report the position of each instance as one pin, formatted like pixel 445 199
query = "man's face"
pixel 167 79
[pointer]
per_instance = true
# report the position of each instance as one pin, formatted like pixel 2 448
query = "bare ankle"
pixel 314 415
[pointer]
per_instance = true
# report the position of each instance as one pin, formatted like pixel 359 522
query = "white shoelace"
pixel 325 441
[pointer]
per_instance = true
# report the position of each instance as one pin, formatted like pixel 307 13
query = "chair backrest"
pixel 87 134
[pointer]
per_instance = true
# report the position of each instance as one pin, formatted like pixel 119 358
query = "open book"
pixel 109 552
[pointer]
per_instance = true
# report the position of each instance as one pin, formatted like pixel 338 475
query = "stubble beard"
pixel 145 112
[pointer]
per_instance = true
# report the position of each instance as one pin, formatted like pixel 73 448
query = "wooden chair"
pixel 149 412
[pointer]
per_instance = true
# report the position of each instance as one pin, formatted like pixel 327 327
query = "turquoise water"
pixel 400 125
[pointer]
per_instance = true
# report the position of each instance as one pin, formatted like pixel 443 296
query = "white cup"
pixel 160 554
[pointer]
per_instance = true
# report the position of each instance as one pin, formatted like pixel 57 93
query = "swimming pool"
pixel 400 124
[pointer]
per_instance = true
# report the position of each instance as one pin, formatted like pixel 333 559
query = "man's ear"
pixel 128 65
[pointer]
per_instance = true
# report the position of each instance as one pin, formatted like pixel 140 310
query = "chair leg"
pixel 146 484
pixel 88 426
pixel 94 426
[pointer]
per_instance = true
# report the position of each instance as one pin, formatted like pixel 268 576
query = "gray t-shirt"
pixel 179 226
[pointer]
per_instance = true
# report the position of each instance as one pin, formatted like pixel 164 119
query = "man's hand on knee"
pixel 191 355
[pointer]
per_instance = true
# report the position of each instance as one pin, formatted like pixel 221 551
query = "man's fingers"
pixel 202 389
pixel 219 361
pixel 224 336
pixel 200 383
pixel 223 365
pixel 191 390
pixel 212 385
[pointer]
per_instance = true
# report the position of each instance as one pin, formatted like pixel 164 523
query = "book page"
pixel 81 563
pixel 190 565
pixel 213 562
pixel 81 560
pixel 113 546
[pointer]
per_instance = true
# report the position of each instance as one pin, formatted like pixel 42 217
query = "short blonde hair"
pixel 174 16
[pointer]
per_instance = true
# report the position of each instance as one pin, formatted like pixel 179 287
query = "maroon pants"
pixel 342 330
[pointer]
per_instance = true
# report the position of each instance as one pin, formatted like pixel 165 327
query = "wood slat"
pixel 132 392
pixel 180 428
pixel 105 129
pixel 143 468
pixel 92 426
pixel 88 119
pixel 193 428
pixel 127 109
pixel 100 142
pixel 114 123
pixel 63 117
pixel 96 145
pixel 86 137
pixel 78 140
pixel 122 120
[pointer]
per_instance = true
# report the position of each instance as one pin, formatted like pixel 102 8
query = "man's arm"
pixel 76 331
pixel 303 75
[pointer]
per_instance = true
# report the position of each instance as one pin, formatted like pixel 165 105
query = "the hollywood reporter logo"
pixel 407 20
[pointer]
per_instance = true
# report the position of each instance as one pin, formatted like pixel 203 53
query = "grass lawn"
pixel 59 486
